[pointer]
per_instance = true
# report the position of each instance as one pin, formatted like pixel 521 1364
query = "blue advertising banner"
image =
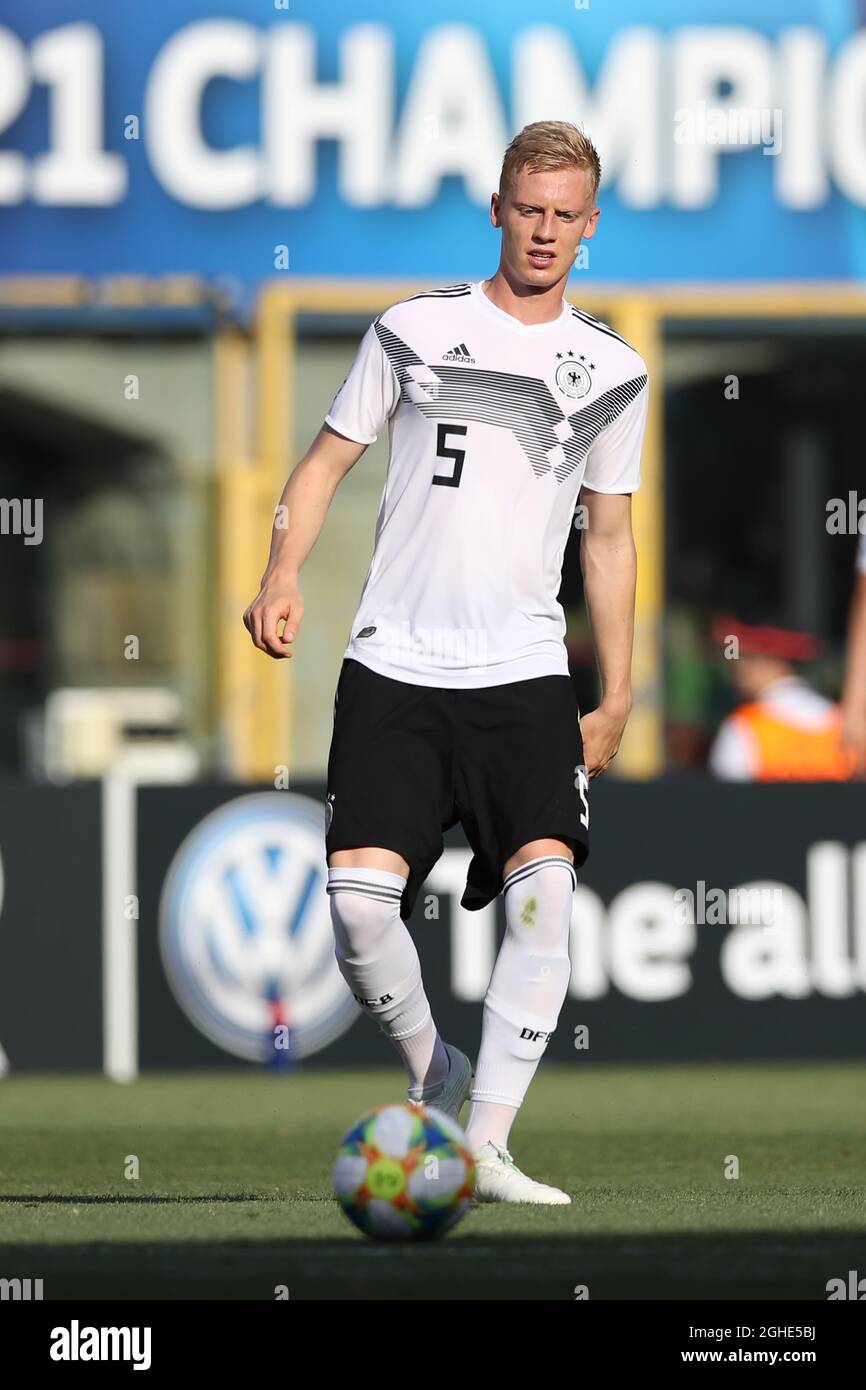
pixel 248 138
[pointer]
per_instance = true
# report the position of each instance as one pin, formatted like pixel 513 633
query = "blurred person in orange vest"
pixel 784 731
pixel 854 689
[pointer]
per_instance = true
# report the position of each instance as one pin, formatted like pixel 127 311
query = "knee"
pixel 538 905
pixel 358 921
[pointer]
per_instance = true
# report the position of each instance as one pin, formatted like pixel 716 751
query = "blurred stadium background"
pixel 203 206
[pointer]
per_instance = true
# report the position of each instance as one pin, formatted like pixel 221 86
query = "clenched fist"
pixel 277 601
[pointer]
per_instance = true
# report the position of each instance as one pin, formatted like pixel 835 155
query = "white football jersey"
pixel 494 425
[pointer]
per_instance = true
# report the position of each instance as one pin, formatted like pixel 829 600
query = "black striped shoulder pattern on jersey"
pixel 602 327
pixel 552 442
pixel 588 423
pixel 446 292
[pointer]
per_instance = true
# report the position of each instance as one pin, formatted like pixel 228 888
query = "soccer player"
pixel 504 406
pixel 854 690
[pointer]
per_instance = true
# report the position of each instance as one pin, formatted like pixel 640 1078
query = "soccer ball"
pixel 404 1172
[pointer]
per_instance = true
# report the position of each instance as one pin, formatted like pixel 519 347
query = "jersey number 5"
pixel 443 451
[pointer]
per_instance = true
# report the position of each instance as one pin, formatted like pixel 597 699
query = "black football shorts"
pixel 408 762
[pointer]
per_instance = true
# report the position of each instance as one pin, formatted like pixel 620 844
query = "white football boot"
pixel 449 1095
pixel 498 1179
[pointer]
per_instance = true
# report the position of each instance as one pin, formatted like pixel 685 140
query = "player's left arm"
pixel 609 565
pixel 854 689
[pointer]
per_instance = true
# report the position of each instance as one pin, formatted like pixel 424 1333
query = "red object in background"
pixel 784 643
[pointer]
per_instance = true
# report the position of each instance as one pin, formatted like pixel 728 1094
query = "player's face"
pixel 544 217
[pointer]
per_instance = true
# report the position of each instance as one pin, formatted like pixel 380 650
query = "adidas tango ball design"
pixel 404 1172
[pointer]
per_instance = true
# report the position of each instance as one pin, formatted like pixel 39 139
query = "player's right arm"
pixel 368 396
pixel 298 519
pixel 854 689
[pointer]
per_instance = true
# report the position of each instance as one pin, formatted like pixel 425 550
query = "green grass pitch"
pixel 233 1195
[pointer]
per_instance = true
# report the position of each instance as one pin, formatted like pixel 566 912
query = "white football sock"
pixel 489 1123
pixel 379 962
pixel 525 994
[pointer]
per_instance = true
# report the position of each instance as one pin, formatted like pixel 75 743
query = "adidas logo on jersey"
pixel 460 353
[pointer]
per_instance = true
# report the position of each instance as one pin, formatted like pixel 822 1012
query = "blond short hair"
pixel 547 145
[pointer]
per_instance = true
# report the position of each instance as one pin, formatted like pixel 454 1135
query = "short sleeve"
pixel 613 460
pixel 369 394
pixel 861 556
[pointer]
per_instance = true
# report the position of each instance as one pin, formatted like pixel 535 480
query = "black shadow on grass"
pixel 761 1265
pixel 30 1199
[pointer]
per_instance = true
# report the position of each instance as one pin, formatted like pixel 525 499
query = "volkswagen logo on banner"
pixel 245 929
